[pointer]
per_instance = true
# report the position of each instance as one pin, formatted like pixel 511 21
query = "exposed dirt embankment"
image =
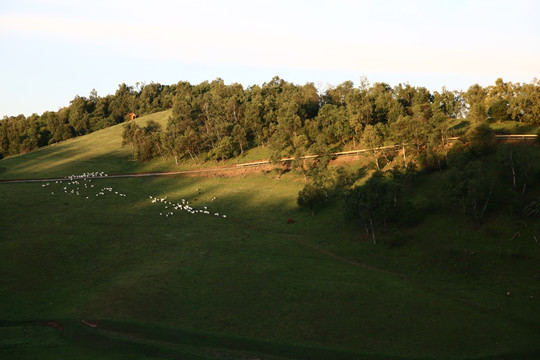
pixel 232 171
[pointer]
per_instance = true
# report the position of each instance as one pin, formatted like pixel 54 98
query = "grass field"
pixel 248 285
pixel 514 127
pixel 101 151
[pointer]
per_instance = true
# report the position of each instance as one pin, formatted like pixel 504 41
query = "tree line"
pixel 480 178
pixel 213 120
pixel 20 134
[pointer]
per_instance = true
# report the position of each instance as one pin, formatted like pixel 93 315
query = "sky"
pixel 54 50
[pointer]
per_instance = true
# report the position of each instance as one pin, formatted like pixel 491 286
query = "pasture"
pixel 100 151
pixel 193 285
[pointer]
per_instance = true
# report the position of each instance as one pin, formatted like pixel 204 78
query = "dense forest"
pixel 213 120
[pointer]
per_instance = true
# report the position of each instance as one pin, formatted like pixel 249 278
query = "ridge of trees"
pixel 213 120
pixel 217 121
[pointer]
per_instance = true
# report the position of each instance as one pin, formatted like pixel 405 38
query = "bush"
pixel 373 204
pixel 481 140
pixel 312 196
pixel 415 210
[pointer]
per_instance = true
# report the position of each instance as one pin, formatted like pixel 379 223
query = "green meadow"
pixel 100 151
pixel 154 282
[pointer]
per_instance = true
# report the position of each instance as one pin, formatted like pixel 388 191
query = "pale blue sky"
pixel 52 50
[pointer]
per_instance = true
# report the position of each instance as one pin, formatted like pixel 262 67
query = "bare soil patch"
pixel 230 172
pixel 345 160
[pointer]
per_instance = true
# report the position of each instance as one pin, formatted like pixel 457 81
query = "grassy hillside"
pixel 514 127
pixel 101 150
pixel 247 285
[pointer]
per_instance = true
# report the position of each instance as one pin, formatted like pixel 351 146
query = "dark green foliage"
pixel 480 140
pixel 415 209
pixel 499 111
pixel 225 149
pixel 475 98
pixel 145 142
pixel 484 180
pixel 327 184
pixel 519 171
pixel 312 196
pixel 374 204
pixel 518 165
pixel 475 186
pixel 373 139
pixel 213 120
pixel 472 179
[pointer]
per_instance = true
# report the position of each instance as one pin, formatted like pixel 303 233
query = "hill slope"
pixel 101 150
pixel 247 285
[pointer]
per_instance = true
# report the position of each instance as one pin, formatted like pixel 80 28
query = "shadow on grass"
pixel 112 338
pixel 73 163
pixel 165 341
pixel 127 244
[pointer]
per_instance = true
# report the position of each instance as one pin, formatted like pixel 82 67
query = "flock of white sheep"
pixel 183 205
pixel 80 185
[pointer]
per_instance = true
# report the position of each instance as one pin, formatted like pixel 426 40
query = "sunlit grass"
pixel 514 127
pixel 99 151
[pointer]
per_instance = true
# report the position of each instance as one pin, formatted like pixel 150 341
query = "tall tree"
pixel 373 139
pixel 373 204
pixel 475 98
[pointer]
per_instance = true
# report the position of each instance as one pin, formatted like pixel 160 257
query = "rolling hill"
pixel 208 268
